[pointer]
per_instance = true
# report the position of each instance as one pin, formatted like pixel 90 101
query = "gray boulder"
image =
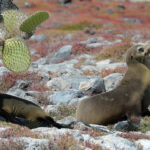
pixel 93 86
pixel 65 97
pixel 63 53
pixel 39 38
pixel 111 81
pixel 113 142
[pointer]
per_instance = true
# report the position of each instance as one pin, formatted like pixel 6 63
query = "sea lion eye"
pixel 141 49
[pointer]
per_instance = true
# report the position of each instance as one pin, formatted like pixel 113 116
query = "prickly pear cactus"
pixel 33 21
pixel 12 20
pixel 16 55
pixel 15 27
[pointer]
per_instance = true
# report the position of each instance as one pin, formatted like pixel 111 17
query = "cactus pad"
pixel 33 21
pixel 12 20
pixel 16 56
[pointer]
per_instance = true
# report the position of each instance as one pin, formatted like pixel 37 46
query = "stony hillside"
pixel 78 52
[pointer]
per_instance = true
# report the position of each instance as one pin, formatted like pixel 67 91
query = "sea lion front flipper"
pixel 9 117
pixel 134 117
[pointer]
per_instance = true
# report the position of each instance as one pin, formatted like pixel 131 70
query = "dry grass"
pixel 145 124
pixel 64 111
pixel 115 51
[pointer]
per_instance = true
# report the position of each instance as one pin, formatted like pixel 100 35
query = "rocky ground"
pixel 77 53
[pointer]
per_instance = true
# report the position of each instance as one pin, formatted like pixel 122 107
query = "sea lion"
pixel 126 99
pixel 12 107
pixel 146 97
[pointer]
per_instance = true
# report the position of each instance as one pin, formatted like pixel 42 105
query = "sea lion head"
pixel 137 53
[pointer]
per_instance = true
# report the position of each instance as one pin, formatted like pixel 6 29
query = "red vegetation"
pixel 106 72
pixel 17 132
pixel 133 136
pixel 9 80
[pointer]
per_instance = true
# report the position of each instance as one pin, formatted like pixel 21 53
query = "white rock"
pixel 111 81
pixel 113 142
pixel 58 84
pixel 93 45
pixel 88 68
pixel 143 144
pixel 103 62
pixel 52 109
pixel 3 70
pixel 110 66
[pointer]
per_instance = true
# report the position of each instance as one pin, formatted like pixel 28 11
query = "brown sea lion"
pixel 146 98
pixel 12 107
pixel 124 100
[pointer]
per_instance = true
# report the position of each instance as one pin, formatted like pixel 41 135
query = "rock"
pixel 110 11
pixel 125 126
pixel 92 40
pixel 3 70
pixel 61 70
pixel 38 38
pixel 100 128
pixel 73 82
pixel 89 62
pixel 16 92
pixel 65 97
pixel 143 144
pixel 7 4
pixel 63 53
pixel 23 85
pixel 42 61
pixel 66 82
pixel 79 125
pixel 111 81
pixel 93 86
pixel 132 20
pixel 102 63
pixel 113 142
pixel 67 120
pixel 100 38
pixel 121 7
pixel 58 84
pixel 27 5
pixel 22 94
pixel 88 68
pixel 137 37
pixel 45 76
pixel 65 1
pixel 121 125
pixel 111 66
pixel 93 45
pixel 68 37
pixel 52 109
